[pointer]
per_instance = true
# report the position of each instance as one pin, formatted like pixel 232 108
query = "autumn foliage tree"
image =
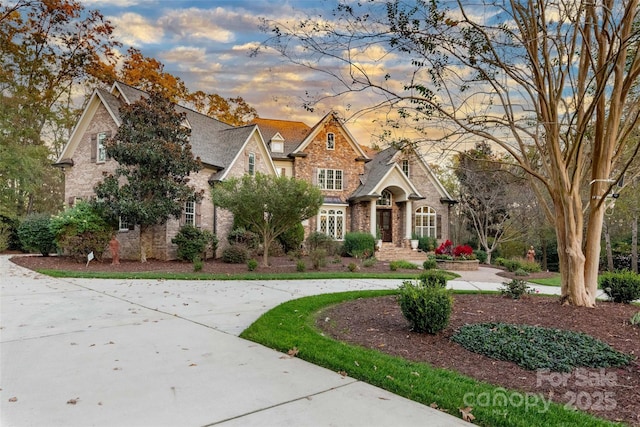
pixel 151 182
pixel 550 83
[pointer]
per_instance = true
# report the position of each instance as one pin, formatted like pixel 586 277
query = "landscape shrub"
pixel 359 244
pixel 515 264
pixel 242 236
pixel 318 258
pixel 301 266
pixel 252 264
pixel 197 263
pixel 318 240
pixel 621 286
pixel 369 262
pixel 35 234
pixel 352 266
pixel 433 279
pixel 426 308
pixel 521 273
pixel 402 264
pixel 193 242
pixel 463 251
pixel 515 289
pixel 534 347
pixel 291 239
pixel 235 254
pixel 430 264
pixel 481 256
pixel 427 244
pixel 82 229
pixel 635 319
pixel 9 233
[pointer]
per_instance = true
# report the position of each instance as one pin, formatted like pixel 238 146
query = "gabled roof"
pixel 379 169
pixel 217 144
pixel 293 133
pixel 314 131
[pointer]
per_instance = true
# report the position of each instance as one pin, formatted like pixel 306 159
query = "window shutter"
pixel 314 176
pixel 438 226
pixel 94 147
pixel 108 135
pixel 132 226
pixel 198 214
pixel 344 180
pixel 183 216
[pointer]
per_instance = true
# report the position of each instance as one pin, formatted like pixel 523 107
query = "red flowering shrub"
pixel 462 251
pixel 446 248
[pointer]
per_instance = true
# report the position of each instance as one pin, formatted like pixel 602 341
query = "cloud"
pixel 135 30
pixel 198 23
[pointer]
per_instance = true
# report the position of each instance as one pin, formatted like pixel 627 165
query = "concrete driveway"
pixel 77 352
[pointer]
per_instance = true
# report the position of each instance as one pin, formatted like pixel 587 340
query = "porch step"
pixel 390 252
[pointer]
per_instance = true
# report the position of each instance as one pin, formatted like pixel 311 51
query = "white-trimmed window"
pixel 385 198
pixel 277 146
pixel 123 225
pixel 405 167
pixel 331 141
pixel 330 179
pixel 252 163
pixel 101 153
pixel 331 222
pixel 190 213
pixel 425 223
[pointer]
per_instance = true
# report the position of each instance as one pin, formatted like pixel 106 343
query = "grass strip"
pixel 292 324
pixel 311 275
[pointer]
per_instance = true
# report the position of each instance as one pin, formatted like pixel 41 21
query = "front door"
pixel 383 221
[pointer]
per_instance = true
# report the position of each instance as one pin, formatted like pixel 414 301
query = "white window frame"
pixel 277 146
pixel 252 163
pixel 190 213
pixel 405 167
pixel 330 179
pixel 385 198
pixel 122 225
pixel 101 150
pixel 332 221
pixel 331 141
pixel 425 222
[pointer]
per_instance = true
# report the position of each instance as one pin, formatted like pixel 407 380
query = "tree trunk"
pixel 572 261
pixel 607 240
pixel 144 242
pixel 488 257
pixel 593 248
pixel 634 243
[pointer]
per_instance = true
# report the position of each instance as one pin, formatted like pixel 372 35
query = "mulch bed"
pixel 378 323
pixel 277 265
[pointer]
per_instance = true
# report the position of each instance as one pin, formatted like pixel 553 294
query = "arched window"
pixel 425 223
pixel 385 198
pixel 331 222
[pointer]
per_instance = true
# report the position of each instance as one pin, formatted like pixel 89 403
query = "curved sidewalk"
pixel 79 352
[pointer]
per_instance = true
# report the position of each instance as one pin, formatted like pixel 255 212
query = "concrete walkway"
pixel 78 352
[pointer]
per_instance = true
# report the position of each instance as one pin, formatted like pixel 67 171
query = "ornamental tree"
pixel 270 205
pixel 151 183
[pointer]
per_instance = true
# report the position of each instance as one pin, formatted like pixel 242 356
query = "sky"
pixel 208 44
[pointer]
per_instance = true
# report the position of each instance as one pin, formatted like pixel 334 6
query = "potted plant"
pixel 414 241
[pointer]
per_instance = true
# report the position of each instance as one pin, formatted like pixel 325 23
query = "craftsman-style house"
pixel 392 192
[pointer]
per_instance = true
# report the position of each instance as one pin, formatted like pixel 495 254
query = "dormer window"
pixel 277 143
pixel 331 141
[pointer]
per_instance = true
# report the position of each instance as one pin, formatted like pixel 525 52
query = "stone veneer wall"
pixel 342 157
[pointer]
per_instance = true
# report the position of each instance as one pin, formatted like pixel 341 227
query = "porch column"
pixel 372 217
pixel 407 223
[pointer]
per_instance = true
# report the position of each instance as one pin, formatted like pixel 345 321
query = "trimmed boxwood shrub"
pixel 427 244
pixel 82 229
pixel 193 242
pixel 430 264
pixel 433 279
pixel 359 244
pixel 35 234
pixel 534 347
pixel 235 254
pixel 621 286
pixel 426 308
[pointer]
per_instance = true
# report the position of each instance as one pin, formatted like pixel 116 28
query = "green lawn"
pixel 551 281
pixel 292 325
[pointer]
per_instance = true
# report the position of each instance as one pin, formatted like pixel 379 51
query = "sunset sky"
pixel 208 43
